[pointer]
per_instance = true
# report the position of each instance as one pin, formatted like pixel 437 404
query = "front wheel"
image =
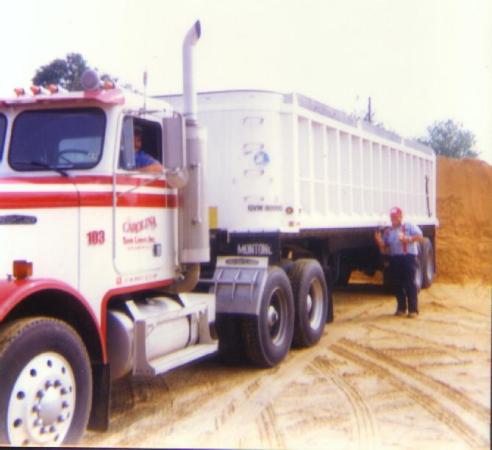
pixel 46 391
pixel 268 336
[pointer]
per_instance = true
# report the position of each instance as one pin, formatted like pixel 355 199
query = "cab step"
pixel 179 358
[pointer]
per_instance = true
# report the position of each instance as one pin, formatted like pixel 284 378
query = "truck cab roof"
pixel 103 97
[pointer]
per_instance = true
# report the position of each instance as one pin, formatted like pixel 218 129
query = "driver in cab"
pixel 143 161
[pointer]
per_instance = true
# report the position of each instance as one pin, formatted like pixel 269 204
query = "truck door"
pixel 144 209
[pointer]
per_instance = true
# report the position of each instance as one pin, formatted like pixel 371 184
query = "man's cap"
pixel 395 211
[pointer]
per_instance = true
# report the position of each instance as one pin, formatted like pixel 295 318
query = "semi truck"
pixel 110 272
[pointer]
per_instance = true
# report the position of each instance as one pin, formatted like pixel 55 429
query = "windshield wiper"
pixel 61 169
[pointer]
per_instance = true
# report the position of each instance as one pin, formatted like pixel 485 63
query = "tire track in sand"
pixel 448 392
pixel 438 399
pixel 366 426
pixel 251 405
pixel 232 411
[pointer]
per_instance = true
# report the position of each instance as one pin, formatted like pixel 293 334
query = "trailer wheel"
pixel 268 337
pixel 427 263
pixel 310 301
pixel 46 391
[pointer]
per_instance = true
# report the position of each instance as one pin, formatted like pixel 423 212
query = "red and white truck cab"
pixel 100 261
pixel 97 257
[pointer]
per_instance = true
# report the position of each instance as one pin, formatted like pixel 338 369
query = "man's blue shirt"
pixel 142 159
pixel 391 238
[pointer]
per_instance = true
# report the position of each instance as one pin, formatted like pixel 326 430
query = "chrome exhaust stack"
pixel 189 93
pixel 194 240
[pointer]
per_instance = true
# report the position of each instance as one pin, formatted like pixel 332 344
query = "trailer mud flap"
pixel 238 284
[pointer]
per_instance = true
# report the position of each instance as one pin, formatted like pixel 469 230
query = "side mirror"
pixel 174 151
pixel 127 149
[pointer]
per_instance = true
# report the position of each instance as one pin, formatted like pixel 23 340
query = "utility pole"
pixel 369 116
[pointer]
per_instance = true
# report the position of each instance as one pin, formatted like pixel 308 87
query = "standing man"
pixel 400 242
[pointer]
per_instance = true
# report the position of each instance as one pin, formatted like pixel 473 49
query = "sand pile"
pixel 464 209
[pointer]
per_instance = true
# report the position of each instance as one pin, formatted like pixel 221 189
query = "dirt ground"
pixel 374 381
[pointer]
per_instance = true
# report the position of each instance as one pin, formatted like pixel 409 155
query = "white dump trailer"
pixel 290 177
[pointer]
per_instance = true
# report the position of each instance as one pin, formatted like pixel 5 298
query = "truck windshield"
pixel 57 139
pixel 3 126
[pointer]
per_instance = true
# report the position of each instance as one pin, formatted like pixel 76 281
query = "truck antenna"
pixel 145 77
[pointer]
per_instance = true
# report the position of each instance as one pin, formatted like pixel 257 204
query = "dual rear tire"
pixel 293 311
pixel 311 301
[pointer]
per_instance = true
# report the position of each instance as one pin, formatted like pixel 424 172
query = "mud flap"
pixel 101 394
pixel 238 284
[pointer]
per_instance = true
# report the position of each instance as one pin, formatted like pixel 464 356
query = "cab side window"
pixel 147 144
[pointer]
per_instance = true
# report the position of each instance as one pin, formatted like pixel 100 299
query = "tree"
pixel 67 72
pixel 448 138
pixel 63 72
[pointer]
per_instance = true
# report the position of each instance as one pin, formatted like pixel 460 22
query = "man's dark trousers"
pixel 403 268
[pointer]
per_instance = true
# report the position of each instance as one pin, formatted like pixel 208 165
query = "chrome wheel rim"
pixel 430 268
pixel 314 304
pixel 42 402
pixel 418 276
pixel 276 317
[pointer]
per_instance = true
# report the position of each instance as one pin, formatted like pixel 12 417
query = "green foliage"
pixel 448 138
pixel 67 72
pixel 63 72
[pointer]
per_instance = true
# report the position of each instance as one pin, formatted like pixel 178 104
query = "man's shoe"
pixel 399 313
pixel 413 315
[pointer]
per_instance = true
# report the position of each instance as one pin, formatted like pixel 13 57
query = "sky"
pixel 420 61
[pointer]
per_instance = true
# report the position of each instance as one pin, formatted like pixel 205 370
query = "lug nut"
pixel 36 408
pixel 42 430
pixel 40 394
pixel 63 391
pixel 60 419
pixel 52 429
pixel 38 422
pixel 48 384
pixel 65 404
pixel 57 383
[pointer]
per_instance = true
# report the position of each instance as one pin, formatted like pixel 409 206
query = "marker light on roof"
pixel 55 89
pixel 38 90
pixel 19 91
pixel 108 85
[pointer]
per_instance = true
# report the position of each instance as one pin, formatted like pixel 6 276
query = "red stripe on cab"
pixel 31 200
pixel 38 200
pixel 126 180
